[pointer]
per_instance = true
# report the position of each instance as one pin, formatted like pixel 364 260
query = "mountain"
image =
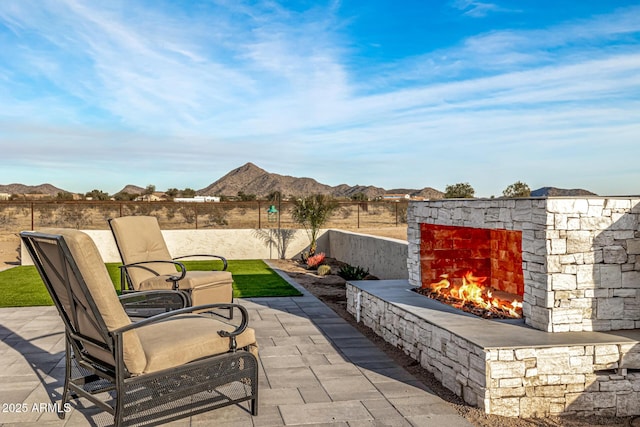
pixel 555 192
pixel 426 193
pixel 31 189
pixel 131 189
pixel 250 179
pixel 344 190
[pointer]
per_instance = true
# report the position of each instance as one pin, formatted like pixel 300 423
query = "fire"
pixel 473 293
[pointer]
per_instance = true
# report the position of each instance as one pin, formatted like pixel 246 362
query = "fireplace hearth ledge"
pixel 505 367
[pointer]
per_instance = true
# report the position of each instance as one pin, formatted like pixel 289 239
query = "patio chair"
pixel 149 265
pixel 161 368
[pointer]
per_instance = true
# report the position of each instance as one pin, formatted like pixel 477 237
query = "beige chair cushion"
pixel 148 245
pixel 212 294
pixel 93 271
pixel 167 345
pixel 205 287
pixel 192 280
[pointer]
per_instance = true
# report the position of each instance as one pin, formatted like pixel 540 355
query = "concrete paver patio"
pixel 316 370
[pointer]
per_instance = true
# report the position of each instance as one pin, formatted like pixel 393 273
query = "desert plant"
pixel 315 260
pixel 172 193
pixel 401 212
pixel 324 270
pixel 312 212
pixel 6 219
pixel 64 217
pixel 244 197
pixel 217 217
pixel 344 212
pixel 145 209
pixel 124 196
pixel 149 190
pixel 517 189
pixel 350 272
pixel 188 213
pixel 64 195
pixel 170 212
pixel 462 190
pixel 97 195
pixel 188 192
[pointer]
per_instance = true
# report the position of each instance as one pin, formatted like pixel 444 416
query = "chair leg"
pixel 253 404
pixel 66 392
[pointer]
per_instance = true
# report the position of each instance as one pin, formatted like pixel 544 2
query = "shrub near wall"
pixel 385 258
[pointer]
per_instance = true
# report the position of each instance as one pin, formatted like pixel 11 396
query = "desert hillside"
pixel 251 179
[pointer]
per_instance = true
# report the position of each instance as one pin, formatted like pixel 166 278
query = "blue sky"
pixel 394 94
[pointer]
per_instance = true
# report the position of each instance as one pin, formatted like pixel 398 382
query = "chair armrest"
pixel 149 303
pixel 175 279
pixel 150 320
pixel 223 259
pixel 174 295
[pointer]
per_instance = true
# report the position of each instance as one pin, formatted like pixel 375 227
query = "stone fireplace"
pixel 576 264
pixel 580 257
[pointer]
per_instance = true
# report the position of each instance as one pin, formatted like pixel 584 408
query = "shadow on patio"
pixel 315 369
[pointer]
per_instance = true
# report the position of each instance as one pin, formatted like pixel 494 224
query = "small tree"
pixel 97 195
pixel 188 192
pixel 148 191
pixel 274 196
pixel 172 192
pixel 360 197
pixel 312 212
pixel 517 189
pixel 461 190
pixel 124 196
pixel 64 195
pixel 244 197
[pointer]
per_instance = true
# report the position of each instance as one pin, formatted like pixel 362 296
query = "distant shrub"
pixel 350 272
pixel 462 190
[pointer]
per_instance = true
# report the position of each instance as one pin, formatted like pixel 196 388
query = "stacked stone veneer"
pixel 516 382
pixel 580 256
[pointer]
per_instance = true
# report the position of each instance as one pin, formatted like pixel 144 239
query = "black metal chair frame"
pixel 186 390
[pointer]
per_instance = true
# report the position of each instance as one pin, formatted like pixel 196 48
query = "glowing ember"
pixel 473 296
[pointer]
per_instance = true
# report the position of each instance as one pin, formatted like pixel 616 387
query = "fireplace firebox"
pixel 477 270
pixel 453 251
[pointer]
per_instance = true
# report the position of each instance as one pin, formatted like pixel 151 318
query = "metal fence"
pixel 30 215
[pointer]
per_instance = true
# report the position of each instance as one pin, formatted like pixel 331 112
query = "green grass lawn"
pixel 21 286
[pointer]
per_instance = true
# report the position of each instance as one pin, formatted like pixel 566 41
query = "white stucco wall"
pixel 232 244
pixel 385 258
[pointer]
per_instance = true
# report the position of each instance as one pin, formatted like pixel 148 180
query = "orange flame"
pixel 472 291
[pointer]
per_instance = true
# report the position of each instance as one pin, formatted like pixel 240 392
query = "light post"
pixel 273 217
pixel 272 214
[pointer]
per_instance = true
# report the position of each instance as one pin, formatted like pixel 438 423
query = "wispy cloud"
pixel 127 85
pixel 478 9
